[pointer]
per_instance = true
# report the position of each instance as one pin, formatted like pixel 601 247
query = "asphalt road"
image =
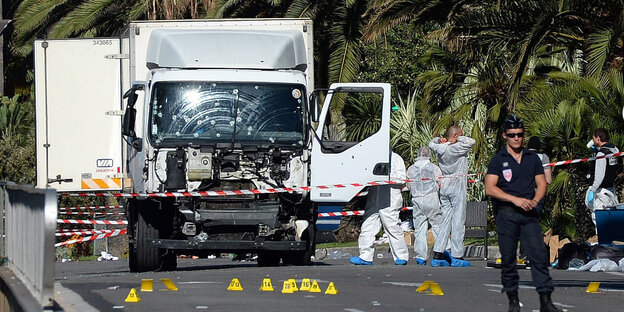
pixel 202 283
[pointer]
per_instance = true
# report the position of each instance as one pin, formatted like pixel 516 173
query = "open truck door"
pixel 338 158
pixel 78 109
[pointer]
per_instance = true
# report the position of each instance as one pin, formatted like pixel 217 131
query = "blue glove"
pixel 590 198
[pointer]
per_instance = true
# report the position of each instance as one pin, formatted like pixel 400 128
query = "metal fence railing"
pixel 29 225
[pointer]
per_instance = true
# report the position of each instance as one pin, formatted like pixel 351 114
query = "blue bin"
pixel 610 224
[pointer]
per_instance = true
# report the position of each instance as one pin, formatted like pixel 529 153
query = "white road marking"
pixel 118 307
pixel 408 284
pixel 501 286
pixel 562 305
pixel 352 310
pixel 201 308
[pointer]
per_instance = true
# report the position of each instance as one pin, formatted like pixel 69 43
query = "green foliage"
pixel 17 140
pixel 392 59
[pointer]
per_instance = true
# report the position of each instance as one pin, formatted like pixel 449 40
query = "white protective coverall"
pixel 603 196
pixel 425 200
pixel 382 209
pixel 453 161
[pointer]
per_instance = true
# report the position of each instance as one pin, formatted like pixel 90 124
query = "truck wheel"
pixel 268 259
pixel 150 222
pixel 303 257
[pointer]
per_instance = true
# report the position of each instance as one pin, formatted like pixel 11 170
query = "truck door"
pixel 78 107
pixel 356 150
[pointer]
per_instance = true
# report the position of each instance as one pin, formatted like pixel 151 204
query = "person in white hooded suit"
pixel 453 160
pixel 383 205
pixel 425 201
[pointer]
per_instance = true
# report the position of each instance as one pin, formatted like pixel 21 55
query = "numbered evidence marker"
pixel 235 285
pixel 266 285
pixel 293 284
pixel 287 288
pixel 314 288
pixel 133 296
pixel 305 285
pixel 331 289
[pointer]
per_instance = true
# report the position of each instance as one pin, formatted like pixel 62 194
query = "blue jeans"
pixel 512 225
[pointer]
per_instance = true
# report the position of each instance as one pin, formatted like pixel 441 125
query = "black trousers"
pixel 511 225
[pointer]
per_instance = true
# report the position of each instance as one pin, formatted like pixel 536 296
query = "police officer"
pixel 602 191
pixel 515 181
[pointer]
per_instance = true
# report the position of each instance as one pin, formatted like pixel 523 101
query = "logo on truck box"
pixel 104 163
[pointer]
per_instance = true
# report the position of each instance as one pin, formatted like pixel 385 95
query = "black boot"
pixel 514 301
pixel 546 304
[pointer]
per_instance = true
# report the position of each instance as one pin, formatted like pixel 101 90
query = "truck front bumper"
pixel 229 245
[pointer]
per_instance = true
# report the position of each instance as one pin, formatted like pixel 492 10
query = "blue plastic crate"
pixel 610 224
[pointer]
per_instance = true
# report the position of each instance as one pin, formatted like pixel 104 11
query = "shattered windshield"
pixel 222 112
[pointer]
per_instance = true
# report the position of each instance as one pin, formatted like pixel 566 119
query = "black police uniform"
pixel 513 223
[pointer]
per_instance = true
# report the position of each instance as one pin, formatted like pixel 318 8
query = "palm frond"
pixel 302 8
pixel 83 17
pixel 599 45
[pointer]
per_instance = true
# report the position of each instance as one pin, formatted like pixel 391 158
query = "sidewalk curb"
pixel 384 252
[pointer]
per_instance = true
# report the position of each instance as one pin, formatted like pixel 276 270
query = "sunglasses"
pixel 513 135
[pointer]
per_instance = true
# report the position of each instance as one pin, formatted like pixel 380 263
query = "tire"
pixel 150 221
pixel 268 259
pixel 300 258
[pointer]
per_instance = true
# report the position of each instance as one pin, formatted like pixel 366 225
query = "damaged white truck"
pixel 201 105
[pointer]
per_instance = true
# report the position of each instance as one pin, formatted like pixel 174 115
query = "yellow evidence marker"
pixel 431 286
pixel 293 284
pixel 133 296
pixel 287 289
pixel 593 288
pixel 169 284
pixel 147 285
pixel 305 285
pixel 235 285
pixel 315 287
pixel 331 289
pixel 266 285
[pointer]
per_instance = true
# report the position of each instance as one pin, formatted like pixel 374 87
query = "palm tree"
pixel 564 110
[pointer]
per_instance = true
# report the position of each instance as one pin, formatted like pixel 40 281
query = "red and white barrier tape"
pixel 574 161
pixel 341 213
pixel 350 213
pixel 91 213
pixel 91 238
pixel 89 207
pixel 66 221
pixel 83 232
pixel 300 189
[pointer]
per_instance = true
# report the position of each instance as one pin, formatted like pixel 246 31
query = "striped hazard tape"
pixel 66 221
pixel 90 207
pixel 303 188
pixel 574 161
pixel 91 238
pixel 82 232
pixel 350 213
pixel 91 213
pixel 107 183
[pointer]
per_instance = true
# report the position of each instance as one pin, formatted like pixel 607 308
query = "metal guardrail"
pixel 29 225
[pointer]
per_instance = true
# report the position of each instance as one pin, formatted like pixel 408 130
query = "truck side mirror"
pixel 314 107
pixel 129 119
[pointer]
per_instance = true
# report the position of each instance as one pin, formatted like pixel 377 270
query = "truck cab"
pixel 212 135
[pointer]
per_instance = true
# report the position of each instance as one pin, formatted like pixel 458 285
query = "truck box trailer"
pixel 201 105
